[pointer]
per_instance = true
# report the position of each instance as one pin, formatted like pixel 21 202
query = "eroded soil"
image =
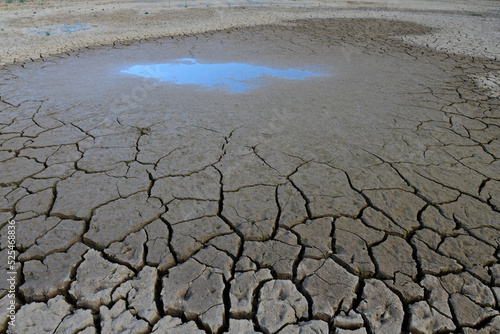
pixel 366 201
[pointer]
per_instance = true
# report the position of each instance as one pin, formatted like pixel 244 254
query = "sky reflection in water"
pixel 236 77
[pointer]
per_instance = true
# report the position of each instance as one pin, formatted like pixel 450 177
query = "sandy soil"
pixel 32 30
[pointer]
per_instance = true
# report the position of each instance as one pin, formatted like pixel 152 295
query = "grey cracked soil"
pixel 364 201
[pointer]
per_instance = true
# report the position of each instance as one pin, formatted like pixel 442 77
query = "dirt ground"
pixel 364 200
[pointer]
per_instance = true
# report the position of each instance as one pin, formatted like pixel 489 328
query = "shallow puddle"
pixel 236 77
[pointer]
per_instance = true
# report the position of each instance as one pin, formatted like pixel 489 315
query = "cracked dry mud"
pixel 366 201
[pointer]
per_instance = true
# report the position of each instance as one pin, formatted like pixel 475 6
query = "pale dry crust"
pixel 28 30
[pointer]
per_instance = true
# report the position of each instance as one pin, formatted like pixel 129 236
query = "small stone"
pixel 424 319
pixel 95 280
pixel 280 303
pixel 171 325
pixel 381 307
pixel 140 294
pixel 329 285
pixel 315 236
pixel 118 320
pixel 242 289
pixel 130 250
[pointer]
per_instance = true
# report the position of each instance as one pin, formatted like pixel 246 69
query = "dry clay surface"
pixel 363 201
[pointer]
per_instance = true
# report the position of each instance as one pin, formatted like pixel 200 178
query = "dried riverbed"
pixel 365 200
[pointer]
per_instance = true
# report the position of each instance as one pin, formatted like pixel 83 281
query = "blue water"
pixel 236 77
